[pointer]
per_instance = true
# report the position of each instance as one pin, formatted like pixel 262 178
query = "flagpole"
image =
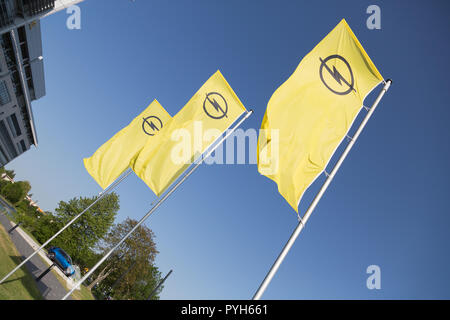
pixel 159 285
pixel 317 198
pixel 160 201
pixel 102 194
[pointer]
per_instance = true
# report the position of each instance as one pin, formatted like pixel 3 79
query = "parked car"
pixel 61 259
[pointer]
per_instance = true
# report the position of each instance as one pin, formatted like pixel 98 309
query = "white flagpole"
pixel 101 195
pixel 160 201
pixel 319 195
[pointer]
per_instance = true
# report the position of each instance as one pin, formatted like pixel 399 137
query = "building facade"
pixel 21 71
pixel 21 81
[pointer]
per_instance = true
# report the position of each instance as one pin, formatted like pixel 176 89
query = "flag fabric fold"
pixel 313 110
pixel 114 156
pixel 212 110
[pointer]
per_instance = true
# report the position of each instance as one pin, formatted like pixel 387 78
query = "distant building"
pixel 5 177
pixel 32 203
pixel 21 71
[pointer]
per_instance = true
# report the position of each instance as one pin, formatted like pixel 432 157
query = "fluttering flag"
pixel 212 110
pixel 113 157
pixel 309 115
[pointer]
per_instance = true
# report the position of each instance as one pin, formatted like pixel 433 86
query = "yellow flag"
pixel 113 157
pixel 309 115
pixel 212 109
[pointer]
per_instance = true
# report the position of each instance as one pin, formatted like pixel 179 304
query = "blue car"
pixel 61 259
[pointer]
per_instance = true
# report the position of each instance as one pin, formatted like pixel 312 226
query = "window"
pixel 23 147
pixel 6 139
pixel 65 255
pixel 3 158
pixel 28 71
pixel 30 84
pixel 14 125
pixel 22 34
pixel 24 50
pixel 4 94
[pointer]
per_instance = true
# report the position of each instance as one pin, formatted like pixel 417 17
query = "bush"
pixel 14 192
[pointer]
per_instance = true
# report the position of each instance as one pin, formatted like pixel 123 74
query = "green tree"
pixel 24 206
pixel 130 272
pixel 15 192
pixel 25 185
pixel 46 226
pixel 80 239
pixel 3 183
pixel 140 287
pixel 10 173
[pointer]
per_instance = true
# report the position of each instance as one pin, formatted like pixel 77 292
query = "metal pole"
pixel 160 201
pixel 319 195
pixel 102 194
pixel 122 276
pixel 14 228
pixel 159 285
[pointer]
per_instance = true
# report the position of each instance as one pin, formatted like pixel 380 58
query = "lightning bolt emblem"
pixel 149 123
pixel 336 75
pixel 216 105
pixel 152 126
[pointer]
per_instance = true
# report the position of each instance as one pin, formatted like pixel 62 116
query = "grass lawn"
pixel 83 294
pixel 7 264
pixel 21 285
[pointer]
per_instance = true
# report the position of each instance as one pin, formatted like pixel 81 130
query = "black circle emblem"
pixel 347 84
pixel 149 126
pixel 215 105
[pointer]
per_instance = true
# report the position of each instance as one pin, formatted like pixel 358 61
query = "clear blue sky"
pixel 221 231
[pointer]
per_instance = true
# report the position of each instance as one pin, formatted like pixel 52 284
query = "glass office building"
pixel 21 73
